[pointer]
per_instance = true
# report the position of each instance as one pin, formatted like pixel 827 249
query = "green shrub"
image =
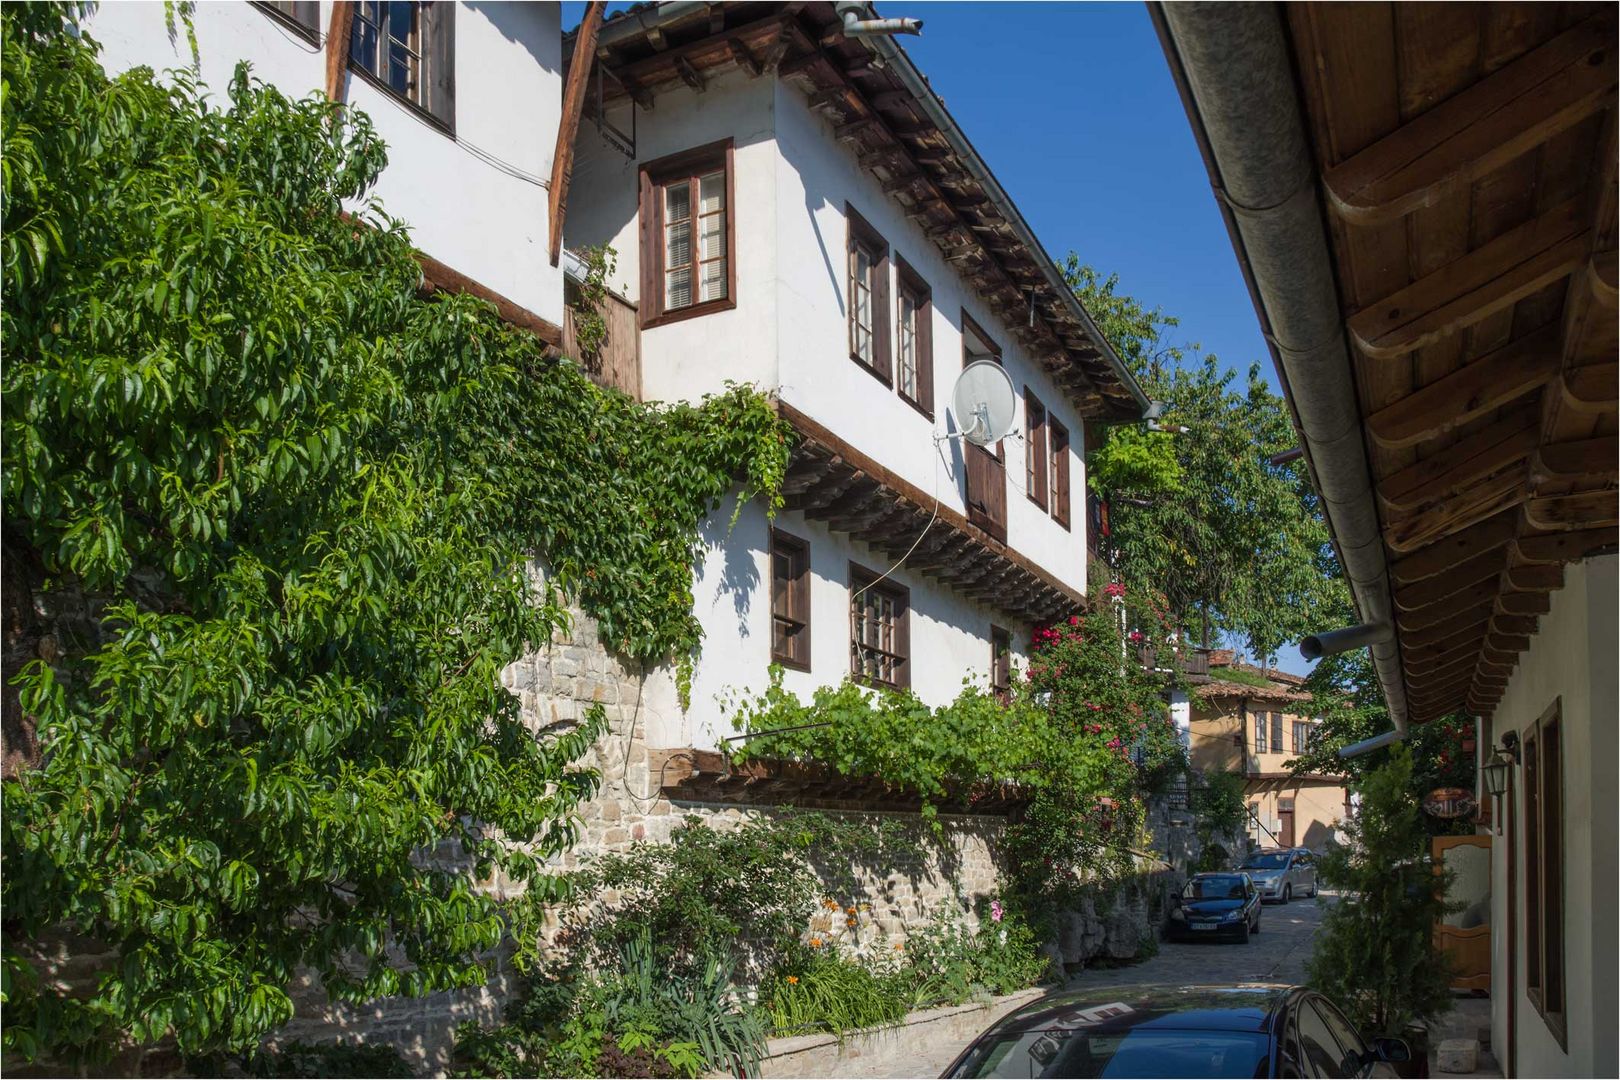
pixel 956 963
pixel 825 990
pixel 301 1059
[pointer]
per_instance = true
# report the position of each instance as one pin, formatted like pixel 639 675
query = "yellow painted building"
pixel 1254 727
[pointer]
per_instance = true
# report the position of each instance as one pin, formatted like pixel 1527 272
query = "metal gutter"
pixel 1234 68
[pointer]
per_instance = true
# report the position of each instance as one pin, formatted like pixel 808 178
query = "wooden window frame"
pixel 1302 736
pixel 435 45
pixel 861 582
pixel 655 176
pixel 1546 967
pixel 910 283
pixel 1035 452
pixel 797 594
pixel 1260 743
pixel 1277 733
pixel 860 235
pixel 304 19
pixel 970 326
pixel 1058 438
pixel 1000 664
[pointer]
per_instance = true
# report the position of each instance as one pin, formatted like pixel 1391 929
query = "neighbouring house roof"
pixel 882 107
pixel 1225 658
pixel 1217 688
pixel 1423 200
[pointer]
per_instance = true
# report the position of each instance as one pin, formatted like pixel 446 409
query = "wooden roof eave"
pixel 831 481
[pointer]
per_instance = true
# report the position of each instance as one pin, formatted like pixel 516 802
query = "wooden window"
pixel 1276 732
pixel 1001 664
pixel 868 295
pixel 1036 482
pixel 1260 733
pixel 914 335
pixel 409 50
pixel 688 235
pixel 985 480
pixel 303 16
pixel 1302 736
pixel 790 600
pixel 1544 871
pixel 1059 436
pixel 880 638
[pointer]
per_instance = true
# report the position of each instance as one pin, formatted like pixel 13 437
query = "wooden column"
pixel 573 103
pixel 337 48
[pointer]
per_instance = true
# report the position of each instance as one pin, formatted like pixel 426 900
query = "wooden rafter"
pixel 573 105
pixel 1516 369
pixel 1499 118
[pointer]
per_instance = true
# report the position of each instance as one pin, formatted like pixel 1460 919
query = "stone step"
pixel 1457 1056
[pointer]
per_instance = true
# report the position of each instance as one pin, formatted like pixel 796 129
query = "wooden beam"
pixel 337 48
pixel 1446 554
pixel 573 104
pixel 1592 389
pixel 1465 575
pixel 438 277
pixel 1456 467
pixel 744 58
pixel 1513 624
pixel 1471 134
pixel 1446 627
pixel 1575 460
pixel 1503 375
pixel 1489 279
pixel 1562 547
pixel 1577 510
pixel 1538 577
pixel 1524 603
pixel 1507 642
pixel 689 74
pixel 1414 531
pixel 1464 639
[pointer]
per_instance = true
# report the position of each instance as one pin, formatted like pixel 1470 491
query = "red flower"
pixel 1074 620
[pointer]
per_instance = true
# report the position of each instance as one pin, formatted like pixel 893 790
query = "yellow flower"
pixel 849 922
pixel 899 945
pixel 793 979
pixel 815 943
pixel 850 910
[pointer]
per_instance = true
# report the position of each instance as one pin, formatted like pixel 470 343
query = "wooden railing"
pixel 1193 661
pixel 617 363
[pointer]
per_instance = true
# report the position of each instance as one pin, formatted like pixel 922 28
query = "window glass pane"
pixel 399 69
pixel 712 234
pixel 678 288
pixel 712 193
pixel 402 21
pixel 908 345
pixel 678 244
pixel 363 38
pixel 714 280
pixel 677 202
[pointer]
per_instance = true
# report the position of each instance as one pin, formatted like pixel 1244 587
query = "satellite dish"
pixel 983 402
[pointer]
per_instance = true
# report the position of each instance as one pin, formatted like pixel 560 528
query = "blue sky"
pixel 1073 108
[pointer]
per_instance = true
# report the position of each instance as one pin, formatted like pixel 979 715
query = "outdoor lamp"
pixel 1496 775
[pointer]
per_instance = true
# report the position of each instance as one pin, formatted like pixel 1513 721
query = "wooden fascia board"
pixel 337 48
pixel 439 277
pixel 573 104
pixel 899 486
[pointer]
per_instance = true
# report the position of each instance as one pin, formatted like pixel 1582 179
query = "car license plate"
pixel 1206 926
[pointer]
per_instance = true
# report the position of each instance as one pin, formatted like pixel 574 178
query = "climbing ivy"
pixel 299 508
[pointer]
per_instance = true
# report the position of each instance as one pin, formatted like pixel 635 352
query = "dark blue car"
pixel 1197 1031
pixel 1216 906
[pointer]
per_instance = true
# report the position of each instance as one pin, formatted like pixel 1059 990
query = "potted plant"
pixel 1375 954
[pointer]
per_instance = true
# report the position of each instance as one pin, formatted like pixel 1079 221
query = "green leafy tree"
pixel 1347 697
pixel 1375 953
pixel 1234 543
pixel 300 506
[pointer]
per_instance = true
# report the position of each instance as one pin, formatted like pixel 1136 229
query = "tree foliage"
pixel 301 505
pixel 1204 517
pixel 1375 953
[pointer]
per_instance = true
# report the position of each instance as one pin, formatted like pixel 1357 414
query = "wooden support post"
pixel 337 48
pixel 562 161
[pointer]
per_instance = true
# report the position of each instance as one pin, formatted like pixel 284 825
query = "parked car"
pixel 1198 1031
pixel 1282 874
pixel 1209 905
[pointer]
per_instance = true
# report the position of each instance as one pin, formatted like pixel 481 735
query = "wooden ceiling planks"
pixel 1468 162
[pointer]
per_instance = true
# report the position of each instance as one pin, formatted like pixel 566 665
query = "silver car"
pixel 1282 874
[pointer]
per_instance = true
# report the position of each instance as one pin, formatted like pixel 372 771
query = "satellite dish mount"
pixel 984 403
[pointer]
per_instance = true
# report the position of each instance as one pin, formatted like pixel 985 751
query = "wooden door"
pixel 1285 816
pixel 1465 935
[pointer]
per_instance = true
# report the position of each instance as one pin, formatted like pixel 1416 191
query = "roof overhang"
pixel 1423 201
pixel 881 106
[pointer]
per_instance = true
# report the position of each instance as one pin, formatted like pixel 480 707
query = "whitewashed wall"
pixel 687 359
pixel 462 210
pixel 817 175
pixel 1572 658
pixel 950 636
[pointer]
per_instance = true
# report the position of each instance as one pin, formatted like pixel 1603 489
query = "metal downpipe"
pixel 1234 64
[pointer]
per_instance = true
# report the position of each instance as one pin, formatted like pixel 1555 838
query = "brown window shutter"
pixel 1060 472
pixel 902 635
pixel 882 304
pixel 439 57
pixel 1035 463
pixel 925 354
